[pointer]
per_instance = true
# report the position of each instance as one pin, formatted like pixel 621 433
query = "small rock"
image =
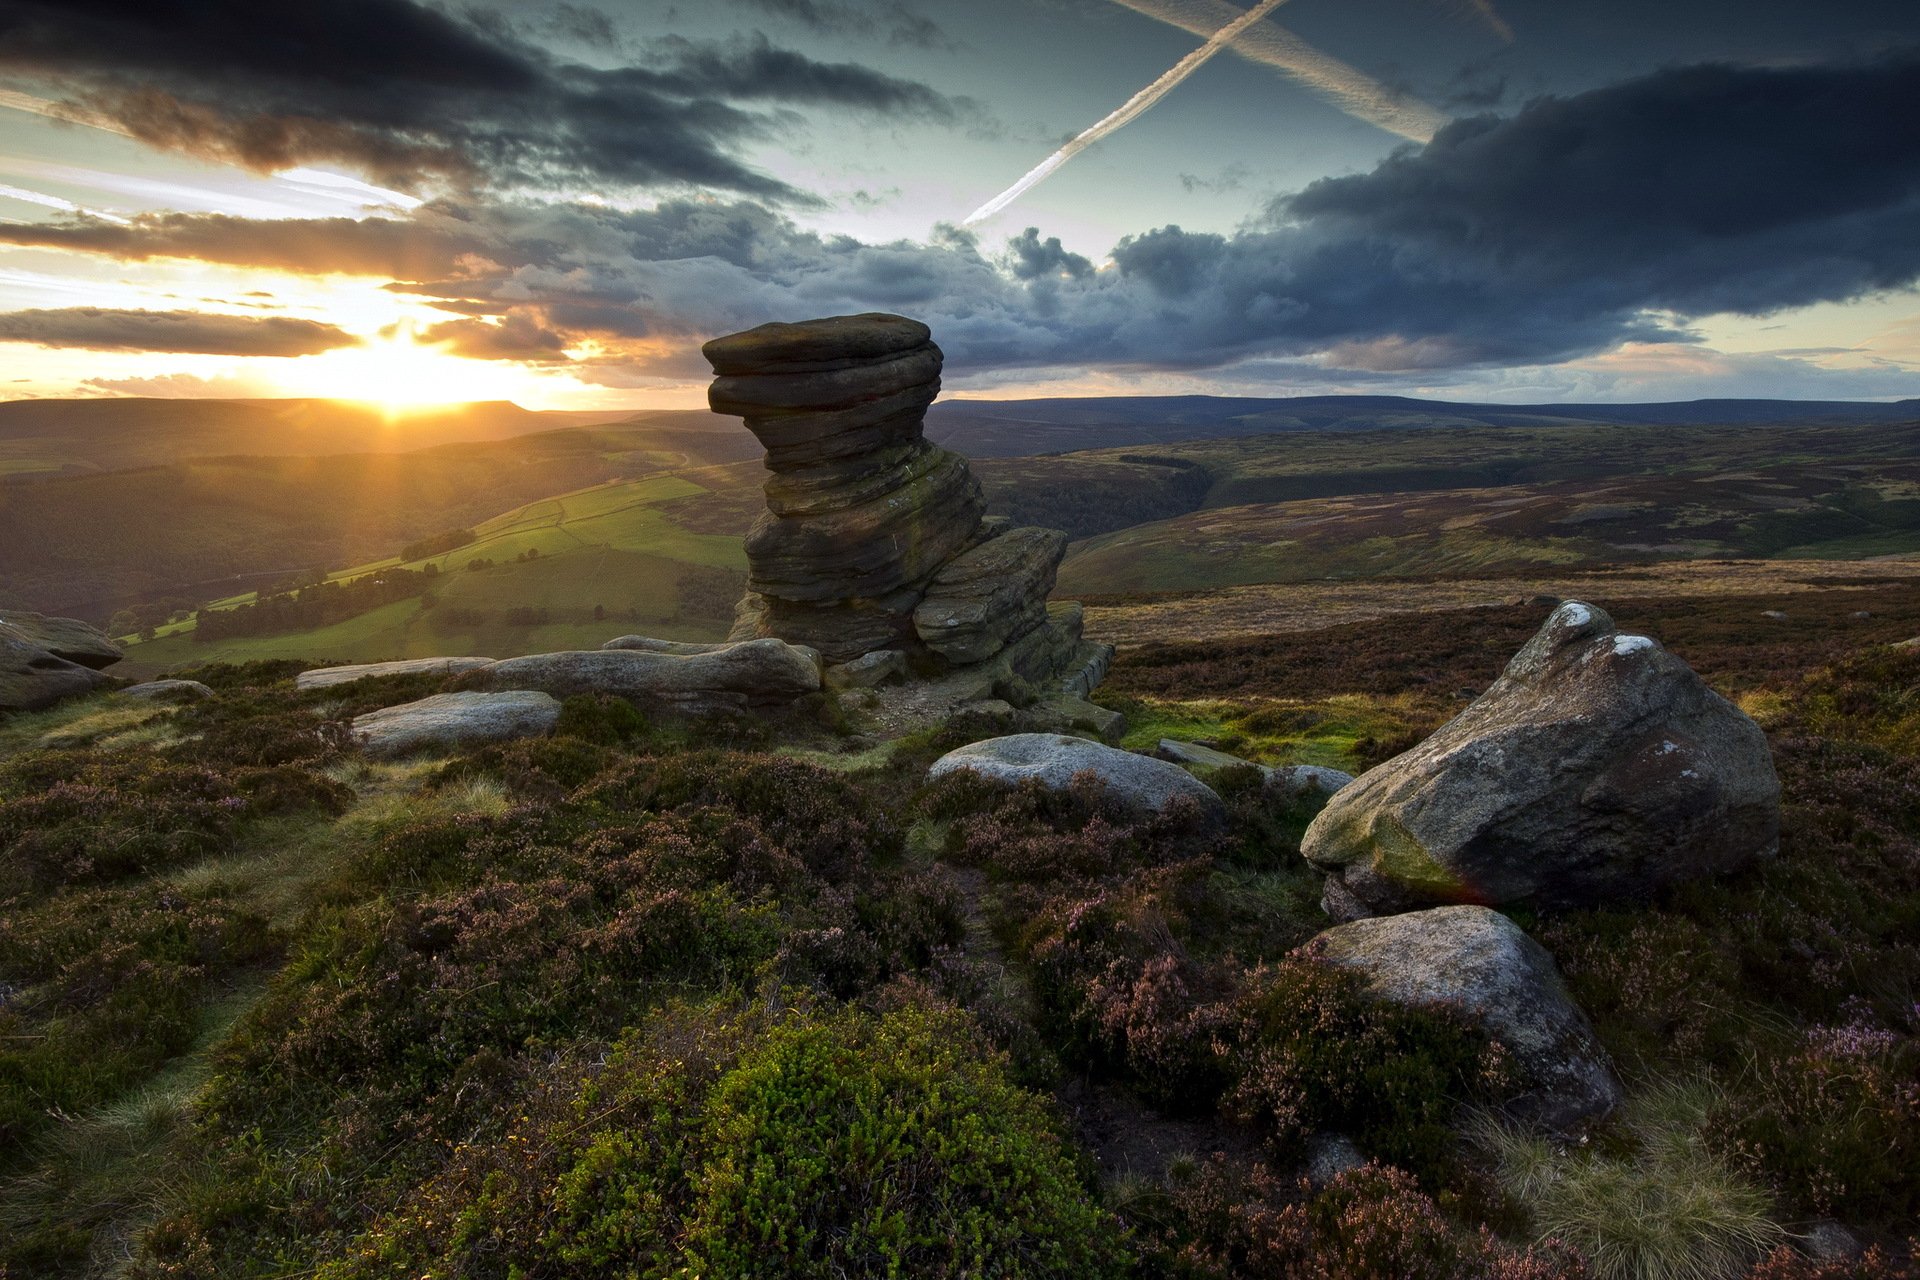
pixel 648 644
pixel 1301 781
pixel 77 642
pixel 456 720
pixel 1329 1155
pixel 327 677
pixel 189 690
pixel 868 671
pixel 1774 615
pixel 1065 713
pixel 1860 615
pixel 1052 760
pixel 1195 755
pixel 1830 1241
pixel 1485 965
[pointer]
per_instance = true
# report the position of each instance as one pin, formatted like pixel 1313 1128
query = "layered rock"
pixel 732 677
pixel 1484 965
pixel 874 538
pixel 327 677
pixel 1599 766
pixel 448 720
pixel 45 660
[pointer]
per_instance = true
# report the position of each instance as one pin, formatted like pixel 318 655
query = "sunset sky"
pixel 1515 200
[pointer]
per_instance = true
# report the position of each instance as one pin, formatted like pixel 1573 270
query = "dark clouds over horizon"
pixel 185 332
pixel 1563 228
pixel 1571 226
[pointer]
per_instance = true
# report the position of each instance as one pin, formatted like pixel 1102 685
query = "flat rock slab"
pixel 1598 767
pixel 811 343
pixel 456 720
pixel 327 677
pixel 32 678
pixel 77 642
pixel 1053 759
pixel 736 676
pixel 182 689
pixel 1297 780
pixel 1485 965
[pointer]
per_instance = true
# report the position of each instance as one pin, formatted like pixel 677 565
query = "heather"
pixel 745 997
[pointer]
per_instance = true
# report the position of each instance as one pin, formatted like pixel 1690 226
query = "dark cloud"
pixel 414 95
pixel 890 20
pixel 1568 228
pixel 199 332
pixel 515 338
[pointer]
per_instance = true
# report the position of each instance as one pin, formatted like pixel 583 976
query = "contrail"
pixel 1128 111
pixel 1346 87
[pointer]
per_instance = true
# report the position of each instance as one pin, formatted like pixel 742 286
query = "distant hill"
pixel 66 437
pixel 1022 428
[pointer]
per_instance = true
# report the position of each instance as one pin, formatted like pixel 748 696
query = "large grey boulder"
pixel 455 720
pixel 734 677
pixel 987 596
pixel 77 642
pixel 1483 964
pixel 1598 767
pixel 31 678
pixel 327 677
pixel 1053 759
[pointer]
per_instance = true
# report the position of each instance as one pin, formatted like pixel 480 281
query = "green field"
pixel 609 548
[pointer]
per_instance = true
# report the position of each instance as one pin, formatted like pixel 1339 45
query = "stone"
pixel 868 671
pixel 1773 615
pixel 815 343
pixel 187 690
pixel 455 720
pixel 1329 1155
pixel 327 677
pixel 1295 781
pixel 994 593
pixel 1052 759
pixel 31 678
pixel 1065 713
pixel 1483 964
pixel 77 642
pixel 650 645
pixel 1598 767
pixel 746 674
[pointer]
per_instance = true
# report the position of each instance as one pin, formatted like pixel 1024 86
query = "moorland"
pixel 650 998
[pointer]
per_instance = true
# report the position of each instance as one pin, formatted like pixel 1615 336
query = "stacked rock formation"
pixel 874 538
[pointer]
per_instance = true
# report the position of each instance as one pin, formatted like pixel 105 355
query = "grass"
pixel 1343 732
pixel 1650 1201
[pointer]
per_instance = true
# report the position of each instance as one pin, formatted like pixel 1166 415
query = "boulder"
pixel 1483 964
pixel 1296 781
pixel 1598 767
pixel 1066 713
pixel 868 671
pixel 69 638
pixel 735 677
pixel 455 720
pixel 32 678
pixel 994 593
pixel 1053 759
pixel 189 690
pixel 327 677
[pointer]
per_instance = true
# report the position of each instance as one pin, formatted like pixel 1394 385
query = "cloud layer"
pixel 1574 226
pixel 415 96
pixel 198 332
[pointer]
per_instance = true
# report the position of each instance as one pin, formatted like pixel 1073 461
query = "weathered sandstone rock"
pixel 983 598
pixel 327 677
pixel 1599 766
pixel 188 690
pixel 69 638
pixel 1053 760
pixel 1483 964
pixel 1299 780
pixel 735 677
pixel 31 678
pixel 455 720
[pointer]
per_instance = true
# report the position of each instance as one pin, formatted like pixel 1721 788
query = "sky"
pixel 556 203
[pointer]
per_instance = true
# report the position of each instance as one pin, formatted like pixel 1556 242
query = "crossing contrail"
pixel 1128 111
pixel 1346 87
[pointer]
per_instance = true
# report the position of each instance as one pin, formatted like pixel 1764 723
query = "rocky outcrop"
pixel 448 720
pixel 1598 767
pixel 868 671
pixel 47 660
pixel 80 643
pixel 873 538
pixel 733 677
pixel 1052 760
pixel 994 593
pixel 1483 964
pixel 327 677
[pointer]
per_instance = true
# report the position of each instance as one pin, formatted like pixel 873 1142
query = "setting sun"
pixel 400 374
